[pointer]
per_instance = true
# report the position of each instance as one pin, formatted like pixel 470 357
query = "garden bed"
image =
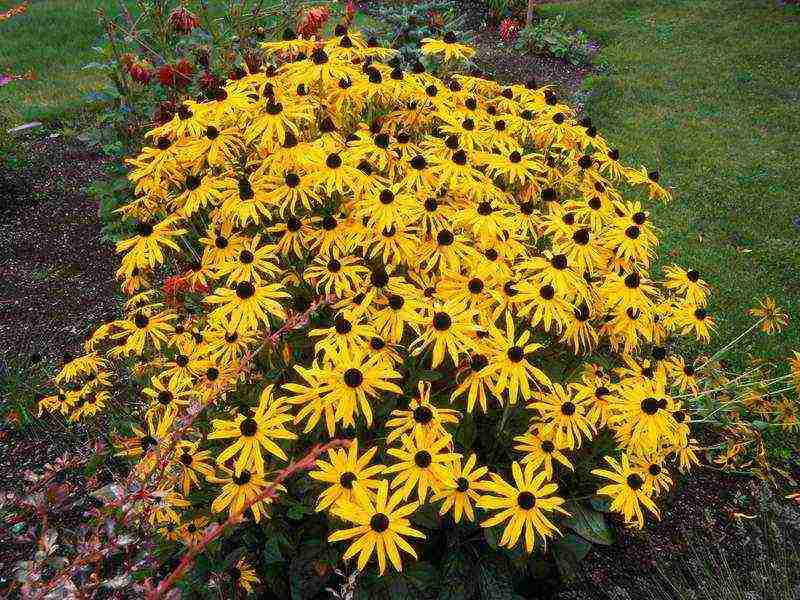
pixel 499 58
pixel 56 268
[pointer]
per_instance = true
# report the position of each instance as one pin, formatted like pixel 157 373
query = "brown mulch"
pixel 57 274
pixel 708 513
pixel 510 66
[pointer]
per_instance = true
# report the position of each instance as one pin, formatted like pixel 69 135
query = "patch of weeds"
pixel 41 274
pixel 552 37
pixel 404 26
pixel 21 380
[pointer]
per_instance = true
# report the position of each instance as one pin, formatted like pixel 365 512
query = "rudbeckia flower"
pixel 448 46
pixel 523 506
pixel 627 490
pixel 380 528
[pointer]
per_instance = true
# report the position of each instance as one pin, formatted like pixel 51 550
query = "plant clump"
pixel 354 249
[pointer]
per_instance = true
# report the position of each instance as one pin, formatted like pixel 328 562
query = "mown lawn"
pixel 708 91
pixel 53 39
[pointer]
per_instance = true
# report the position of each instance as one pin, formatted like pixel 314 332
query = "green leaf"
pixel 458 580
pixel 466 432
pixel 297 511
pixel 588 523
pixel 495 580
pixel 272 552
pixel 568 552
pixel 427 516
pixel 601 503
pixel 419 581
pixel 491 537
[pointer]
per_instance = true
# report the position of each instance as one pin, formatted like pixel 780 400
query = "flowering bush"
pixel 453 274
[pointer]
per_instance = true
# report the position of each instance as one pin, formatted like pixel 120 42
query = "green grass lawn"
pixel 54 40
pixel 708 91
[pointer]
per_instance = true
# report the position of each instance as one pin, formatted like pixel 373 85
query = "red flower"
pixel 208 81
pixel 350 12
pixel 183 72
pixel 164 112
pixel 182 20
pixel 253 62
pixel 140 71
pixel 313 21
pixel 166 76
pixel 509 30
pixel 435 19
pixel 174 288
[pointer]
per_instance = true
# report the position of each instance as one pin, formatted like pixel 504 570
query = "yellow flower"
pixel 421 416
pixel 627 490
pixel 238 490
pixel 476 384
pixel 448 46
pixel 541 451
pixel 641 414
pixel 244 575
pixel 689 317
pixel 447 331
pixel 166 399
pixel 342 388
pixel 254 433
pixel 164 507
pixel 349 476
pixel 190 463
pixel 564 418
pixel 508 364
pixel 422 462
pixel 794 365
pixel 248 304
pixel 522 506
pixel 773 318
pixel 380 528
pixel 142 327
pixel 461 493
pixel 687 283
pixel 191 533
pixel 144 250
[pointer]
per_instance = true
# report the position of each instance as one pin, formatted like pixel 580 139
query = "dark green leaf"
pixel 272 551
pixel 568 552
pixel 458 578
pixel 601 503
pixel 588 523
pixel 495 580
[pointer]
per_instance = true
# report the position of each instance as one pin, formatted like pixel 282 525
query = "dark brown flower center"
pixel 242 478
pixel 353 378
pixel 423 459
pixel 442 321
pixel 635 481
pixel 347 480
pixel 245 290
pixel 249 427
pixel 423 415
pixel 379 523
pixel 526 500
pixel 649 406
pixel 515 354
